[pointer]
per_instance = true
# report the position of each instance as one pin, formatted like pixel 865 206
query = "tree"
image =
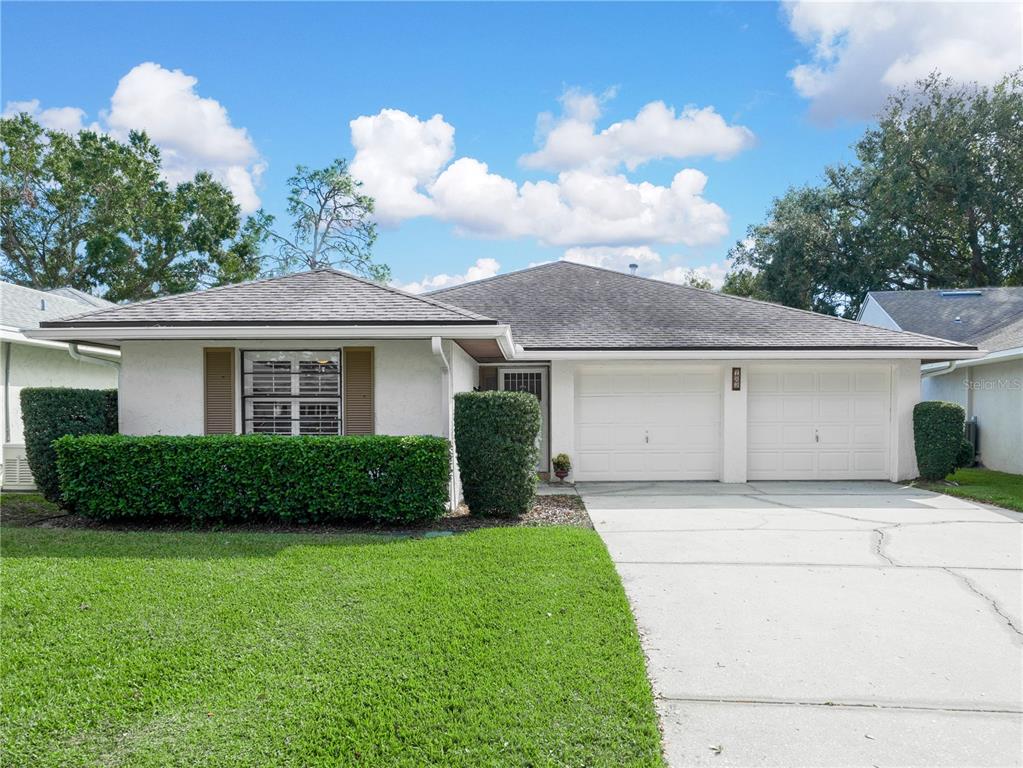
pixel 332 225
pixel 743 282
pixel 933 200
pixel 693 279
pixel 94 213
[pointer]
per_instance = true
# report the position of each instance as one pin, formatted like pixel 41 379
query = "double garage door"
pixel 828 422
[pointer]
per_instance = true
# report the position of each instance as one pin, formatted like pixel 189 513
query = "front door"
pixel 534 381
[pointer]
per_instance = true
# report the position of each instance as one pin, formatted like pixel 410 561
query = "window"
pixel 292 392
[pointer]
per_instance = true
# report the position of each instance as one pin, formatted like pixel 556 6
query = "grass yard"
pixel 501 647
pixel 998 488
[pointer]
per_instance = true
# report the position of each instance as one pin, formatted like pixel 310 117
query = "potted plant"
pixel 562 466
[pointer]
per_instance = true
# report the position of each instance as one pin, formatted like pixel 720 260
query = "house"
pixel 29 362
pixel 638 379
pixel 990 388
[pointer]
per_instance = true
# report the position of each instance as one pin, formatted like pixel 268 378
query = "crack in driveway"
pixel 987 598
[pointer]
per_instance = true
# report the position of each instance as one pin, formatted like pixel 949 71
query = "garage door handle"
pixel 816 436
pixel 646 437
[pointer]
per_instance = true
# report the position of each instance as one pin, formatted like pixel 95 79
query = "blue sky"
pixel 289 78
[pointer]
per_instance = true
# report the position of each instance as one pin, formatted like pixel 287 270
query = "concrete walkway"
pixel 823 624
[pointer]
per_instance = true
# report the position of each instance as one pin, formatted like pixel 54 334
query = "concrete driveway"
pixel 823 624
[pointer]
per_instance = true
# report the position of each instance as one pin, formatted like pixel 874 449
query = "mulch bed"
pixel 30 510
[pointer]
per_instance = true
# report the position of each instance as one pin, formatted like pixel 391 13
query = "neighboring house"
pixel 638 379
pixel 990 388
pixel 29 362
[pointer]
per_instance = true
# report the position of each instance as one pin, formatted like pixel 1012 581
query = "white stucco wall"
pixel 33 366
pixel 996 392
pixel 161 388
pixel 905 384
pixel 949 387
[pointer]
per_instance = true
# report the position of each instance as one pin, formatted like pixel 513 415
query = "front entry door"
pixel 534 381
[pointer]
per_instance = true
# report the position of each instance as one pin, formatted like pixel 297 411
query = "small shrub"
pixel 52 412
pixel 966 455
pixel 495 439
pixel 562 463
pixel 235 478
pixel 938 436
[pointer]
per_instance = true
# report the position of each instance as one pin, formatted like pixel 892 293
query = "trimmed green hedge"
pixel 234 478
pixel 938 436
pixel 52 412
pixel 495 440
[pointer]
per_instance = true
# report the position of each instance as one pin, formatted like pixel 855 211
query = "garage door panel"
pixel 872 409
pixel 835 382
pixel 834 435
pixel 872 382
pixel 797 461
pixel 870 435
pixel 795 435
pixel 761 408
pixel 797 409
pixel 764 382
pixel 834 409
pixel 828 422
pixel 652 424
pixel 834 462
pixel 596 436
pixel 798 381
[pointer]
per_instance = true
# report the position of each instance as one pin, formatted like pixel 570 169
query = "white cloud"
pixel 396 156
pixel 649 263
pixel 581 207
pixel 573 142
pixel 714 273
pixel 193 133
pixel 614 258
pixel 862 52
pixel 69 119
pixel 481 269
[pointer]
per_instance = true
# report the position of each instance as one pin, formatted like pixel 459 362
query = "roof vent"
pixel 42 305
pixel 953 294
pixel 958 319
pixel 633 268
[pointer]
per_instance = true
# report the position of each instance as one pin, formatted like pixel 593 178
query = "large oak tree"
pixel 934 199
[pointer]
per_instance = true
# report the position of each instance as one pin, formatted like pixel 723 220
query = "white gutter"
pixel 1002 356
pixel 76 354
pixel 745 354
pixel 437 345
pixel 17 337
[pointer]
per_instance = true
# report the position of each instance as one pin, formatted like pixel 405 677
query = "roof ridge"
pixel 393 289
pixel 495 277
pixel 461 311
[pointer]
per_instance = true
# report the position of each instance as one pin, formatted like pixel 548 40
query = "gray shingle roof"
pixel 25 308
pixel 563 305
pixel 983 313
pixel 323 297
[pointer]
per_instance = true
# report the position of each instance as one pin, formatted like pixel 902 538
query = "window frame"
pixel 245 422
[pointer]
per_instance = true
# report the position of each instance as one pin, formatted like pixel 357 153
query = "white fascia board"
pixel 1001 356
pixel 18 337
pixel 501 333
pixel 746 354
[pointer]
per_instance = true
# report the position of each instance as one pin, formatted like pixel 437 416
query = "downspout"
pixel 76 354
pixel 950 366
pixel 437 345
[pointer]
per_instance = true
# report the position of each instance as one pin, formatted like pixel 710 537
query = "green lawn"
pixel 999 488
pixel 503 647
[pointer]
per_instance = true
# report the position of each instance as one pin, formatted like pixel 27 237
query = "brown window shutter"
pixel 358 373
pixel 219 390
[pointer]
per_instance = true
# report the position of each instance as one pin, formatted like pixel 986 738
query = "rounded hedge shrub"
pixel 966 455
pixel 237 478
pixel 938 436
pixel 495 441
pixel 52 412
